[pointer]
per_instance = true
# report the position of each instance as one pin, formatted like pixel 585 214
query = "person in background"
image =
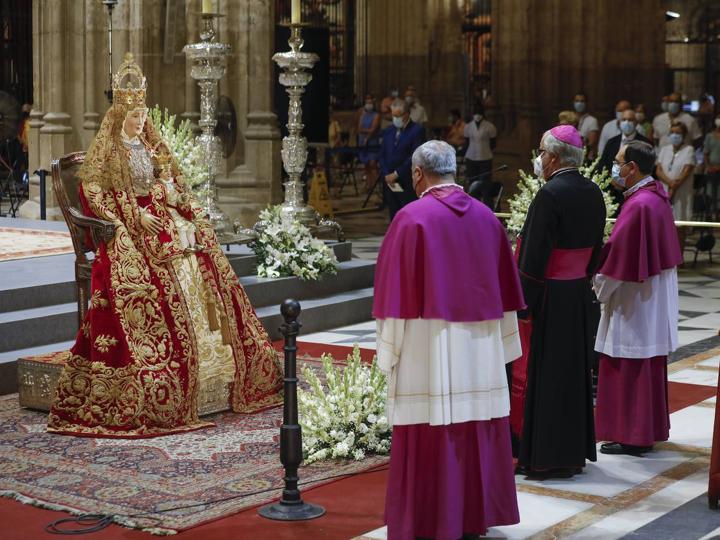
pixel 368 132
pixel 444 346
pixel 638 289
pixel 628 132
pixel 675 166
pixel 587 126
pixel 663 122
pixel 481 135
pixel 711 153
pixel 23 138
pixel 644 126
pixel 334 132
pixel 417 111
pixel 399 141
pixel 455 135
pixel 612 127
pixel 568 118
pixel 385 111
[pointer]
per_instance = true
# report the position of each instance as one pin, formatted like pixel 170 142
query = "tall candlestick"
pixel 295 12
pixel 207 6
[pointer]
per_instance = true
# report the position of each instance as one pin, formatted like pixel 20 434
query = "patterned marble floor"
pixel 662 495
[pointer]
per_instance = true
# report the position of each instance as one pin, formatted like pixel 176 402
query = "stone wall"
pixel 70 70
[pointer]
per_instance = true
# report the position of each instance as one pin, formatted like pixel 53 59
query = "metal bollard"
pixel 290 507
pixel 43 202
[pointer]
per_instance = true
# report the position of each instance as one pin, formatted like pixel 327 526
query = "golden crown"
pixel 132 92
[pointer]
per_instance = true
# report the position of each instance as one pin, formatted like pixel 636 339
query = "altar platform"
pixel 38 304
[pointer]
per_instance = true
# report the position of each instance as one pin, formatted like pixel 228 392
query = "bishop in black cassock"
pixel 558 252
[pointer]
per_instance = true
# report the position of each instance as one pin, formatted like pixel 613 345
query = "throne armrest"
pixel 101 231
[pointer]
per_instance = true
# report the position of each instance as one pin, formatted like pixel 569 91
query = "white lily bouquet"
pixel 529 185
pixel 346 420
pixel 285 247
pixel 181 141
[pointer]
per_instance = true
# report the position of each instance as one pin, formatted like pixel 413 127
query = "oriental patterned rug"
pixel 24 243
pixel 162 485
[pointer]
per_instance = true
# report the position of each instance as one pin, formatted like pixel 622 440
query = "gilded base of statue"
pixel 38 377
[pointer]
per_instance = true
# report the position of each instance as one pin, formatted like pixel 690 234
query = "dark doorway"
pixel 16 49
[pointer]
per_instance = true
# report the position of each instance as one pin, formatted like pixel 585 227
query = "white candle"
pixel 295 12
pixel 207 6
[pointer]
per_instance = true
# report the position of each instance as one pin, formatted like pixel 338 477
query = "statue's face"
pixel 134 122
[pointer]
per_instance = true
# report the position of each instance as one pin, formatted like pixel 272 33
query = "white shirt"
pixel 586 125
pixel 444 372
pixel 673 163
pixel 610 129
pixel 479 140
pixel 418 114
pixel 639 320
pixel 662 123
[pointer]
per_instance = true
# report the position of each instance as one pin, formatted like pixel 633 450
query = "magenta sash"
pixel 568 264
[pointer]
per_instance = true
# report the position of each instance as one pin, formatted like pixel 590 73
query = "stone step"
pixel 37 326
pixel 317 314
pixel 59 285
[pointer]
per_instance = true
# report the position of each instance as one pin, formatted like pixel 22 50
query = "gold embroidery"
pixel 97 300
pixel 104 342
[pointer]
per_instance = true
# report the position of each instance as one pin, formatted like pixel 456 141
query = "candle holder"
pixel 295 76
pixel 208 59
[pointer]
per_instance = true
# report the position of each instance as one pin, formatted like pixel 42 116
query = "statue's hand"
pixel 151 223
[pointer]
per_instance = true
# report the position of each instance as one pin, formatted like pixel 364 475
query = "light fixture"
pixel 670 15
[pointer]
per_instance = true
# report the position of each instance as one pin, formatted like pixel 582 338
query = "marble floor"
pixel 662 495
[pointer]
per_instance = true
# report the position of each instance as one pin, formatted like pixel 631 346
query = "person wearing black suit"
pixel 399 141
pixel 628 128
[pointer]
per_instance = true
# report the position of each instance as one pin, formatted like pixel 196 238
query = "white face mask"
pixel 717 122
pixel 398 121
pixel 368 106
pixel 676 139
pixel 579 106
pixel 615 174
pixel 618 115
pixel 627 127
pixel 477 117
pixel 394 93
pixel 664 106
pixel 537 166
pixel 673 107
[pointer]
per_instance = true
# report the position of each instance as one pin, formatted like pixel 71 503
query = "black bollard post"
pixel 42 173
pixel 290 507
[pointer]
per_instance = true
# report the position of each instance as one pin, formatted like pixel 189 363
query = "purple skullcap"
pixel 567 134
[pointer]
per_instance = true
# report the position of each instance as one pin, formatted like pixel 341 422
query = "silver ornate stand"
pixel 208 67
pixel 296 66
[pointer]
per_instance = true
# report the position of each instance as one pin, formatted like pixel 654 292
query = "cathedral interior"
pixel 517 62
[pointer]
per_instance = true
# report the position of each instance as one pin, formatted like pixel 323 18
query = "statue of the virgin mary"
pixel 168 320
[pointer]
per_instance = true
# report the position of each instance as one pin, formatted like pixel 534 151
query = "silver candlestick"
pixel 296 66
pixel 208 67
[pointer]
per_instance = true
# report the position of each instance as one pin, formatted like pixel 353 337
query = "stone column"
pixel 50 36
pixel 95 18
pixel 255 183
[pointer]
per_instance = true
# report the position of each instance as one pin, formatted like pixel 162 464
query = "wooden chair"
pixel 66 185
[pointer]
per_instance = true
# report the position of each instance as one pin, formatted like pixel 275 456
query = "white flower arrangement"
pixel 182 143
pixel 285 247
pixel 346 420
pixel 529 185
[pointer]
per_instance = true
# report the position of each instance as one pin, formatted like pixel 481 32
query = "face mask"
pixel 394 93
pixel 640 116
pixel 477 117
pixel 409 100
pixel 451 120
pixel 674 107
pixel 537 166
pixel 615 174
pixel 618 115
pixel 664 106
pixel 676 139
pixel 579 106
pixel 398 121
pixel 627 127
pixel 368 106
pixel 717 122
